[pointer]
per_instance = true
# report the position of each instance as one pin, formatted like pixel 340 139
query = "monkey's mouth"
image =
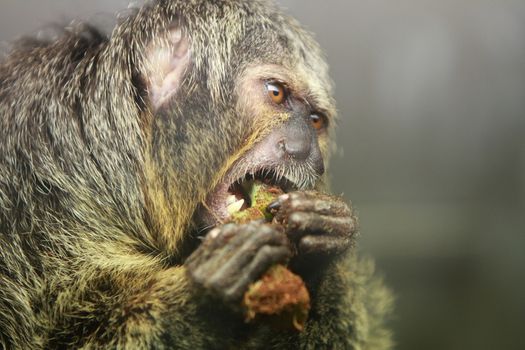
pixel 231 197
pixel 240 192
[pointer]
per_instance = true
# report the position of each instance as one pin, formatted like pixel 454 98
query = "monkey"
pixel 119 157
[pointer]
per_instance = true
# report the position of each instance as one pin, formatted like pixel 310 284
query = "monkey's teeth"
pixel 235 207
pixel 231 199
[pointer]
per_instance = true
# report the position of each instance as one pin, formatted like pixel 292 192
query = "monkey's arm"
pixel 132 301
pixel 132 308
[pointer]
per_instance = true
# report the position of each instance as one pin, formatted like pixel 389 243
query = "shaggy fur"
pixel 98 190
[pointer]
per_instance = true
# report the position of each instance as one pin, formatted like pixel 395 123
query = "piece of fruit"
pixel 260 196
pixel 281 295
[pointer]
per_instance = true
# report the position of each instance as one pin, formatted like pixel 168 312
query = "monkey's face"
pixel 286 144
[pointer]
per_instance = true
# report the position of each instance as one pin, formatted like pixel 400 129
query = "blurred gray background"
pixel 431 151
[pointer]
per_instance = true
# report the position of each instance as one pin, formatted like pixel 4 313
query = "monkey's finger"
pixel 215 256
pixel 245 245
pixel 332 207
pixel 266 257
pixel 309 201
pixel 300 223
pixel 219 236
pixel 228 237
pixel 247 239
pixel 218 245
pixel 325 245
pixel 242 248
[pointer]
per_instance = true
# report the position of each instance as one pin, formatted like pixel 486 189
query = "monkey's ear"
pixel 166 63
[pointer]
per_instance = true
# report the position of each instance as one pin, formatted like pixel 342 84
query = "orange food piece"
pixel 280 294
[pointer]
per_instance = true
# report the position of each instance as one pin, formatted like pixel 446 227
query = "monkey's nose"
pixel 304 150
pixel 299 142
pixel 297 148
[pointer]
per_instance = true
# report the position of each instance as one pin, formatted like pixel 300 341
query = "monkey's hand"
pixel 234 256
pixel 316 223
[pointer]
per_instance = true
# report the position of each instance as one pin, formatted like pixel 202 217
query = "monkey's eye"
pixel 277 92
pixel 318 122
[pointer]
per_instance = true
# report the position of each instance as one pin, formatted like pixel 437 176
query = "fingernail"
pixel 274 206
pixel 284 197
pixel 214 233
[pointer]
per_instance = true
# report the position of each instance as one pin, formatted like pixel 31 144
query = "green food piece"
pixel 261 195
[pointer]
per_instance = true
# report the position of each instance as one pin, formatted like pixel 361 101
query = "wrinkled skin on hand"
pixel 233 256
pixel 305 224
pixel 315 222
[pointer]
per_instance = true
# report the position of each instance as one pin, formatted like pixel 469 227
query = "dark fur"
pixel 84 260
